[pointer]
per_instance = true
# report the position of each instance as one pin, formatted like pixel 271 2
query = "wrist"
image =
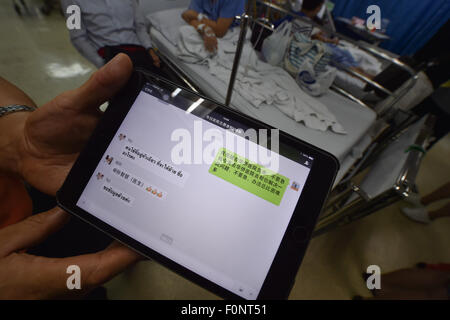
pixel 195 23
pixel 201 28
pixel 12 142
pixel 208 32
pixel 200 17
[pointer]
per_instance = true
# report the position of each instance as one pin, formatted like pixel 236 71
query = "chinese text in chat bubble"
pixel 249 176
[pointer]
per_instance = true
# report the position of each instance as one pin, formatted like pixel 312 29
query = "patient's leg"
pixel 440 213
pixel 437 195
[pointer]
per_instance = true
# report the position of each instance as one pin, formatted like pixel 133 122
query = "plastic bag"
pixel 313 83
pixel 274 47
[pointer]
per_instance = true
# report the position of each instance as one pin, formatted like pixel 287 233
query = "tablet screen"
pixel 179 178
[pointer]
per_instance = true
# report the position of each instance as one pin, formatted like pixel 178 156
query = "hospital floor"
pixel 36 55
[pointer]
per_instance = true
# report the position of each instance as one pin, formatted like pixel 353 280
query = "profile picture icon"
pixel 122 136
pixel 295 186
pixel 100 176
pixel 109 159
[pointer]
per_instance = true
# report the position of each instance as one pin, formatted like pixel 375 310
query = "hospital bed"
pixel 366 130
pixel 356 119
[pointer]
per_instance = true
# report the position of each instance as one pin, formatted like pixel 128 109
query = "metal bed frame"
pixel 360 200
pixel 337 211
pixel 351 201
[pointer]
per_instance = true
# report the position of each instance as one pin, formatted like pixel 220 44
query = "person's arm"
pixel 14 201
pixel 189 15
pixel 42 146
pixel 87 50
pixel 321 37
pixel 209 37
pixel 193 16
pixel 11 126
pixel 141 27
pixel 228 11
pixel 81 41
pixel 220 27
pixel 142 33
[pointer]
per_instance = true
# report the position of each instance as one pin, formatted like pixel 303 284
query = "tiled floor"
pixel 36 55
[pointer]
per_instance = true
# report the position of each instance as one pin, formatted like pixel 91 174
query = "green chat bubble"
pixel 249 176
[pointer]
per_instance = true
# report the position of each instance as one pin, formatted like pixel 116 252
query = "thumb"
pixel 101 86
pixel 31 231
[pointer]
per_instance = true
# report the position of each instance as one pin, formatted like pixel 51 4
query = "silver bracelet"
pixel 14 108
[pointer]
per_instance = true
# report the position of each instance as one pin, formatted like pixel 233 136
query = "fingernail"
pixel 113 62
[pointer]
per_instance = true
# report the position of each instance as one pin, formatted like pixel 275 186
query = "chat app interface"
pixel 223 219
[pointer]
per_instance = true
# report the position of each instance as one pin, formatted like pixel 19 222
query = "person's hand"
pixel 155 57
pixel 210 43
pixel 54 134
pixel 23 276
pixel 334 41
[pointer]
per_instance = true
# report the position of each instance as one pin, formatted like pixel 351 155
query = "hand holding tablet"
pixel 196 187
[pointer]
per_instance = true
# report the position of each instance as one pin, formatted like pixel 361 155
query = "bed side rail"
pixel 389 103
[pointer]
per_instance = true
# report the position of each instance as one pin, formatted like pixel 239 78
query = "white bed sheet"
pixel 354 118
pixel 351 84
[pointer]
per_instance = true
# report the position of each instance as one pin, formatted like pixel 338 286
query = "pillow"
pixel 168 22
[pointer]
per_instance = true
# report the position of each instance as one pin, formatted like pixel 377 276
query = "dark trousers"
pixel 442 126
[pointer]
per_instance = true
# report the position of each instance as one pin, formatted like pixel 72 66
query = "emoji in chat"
pixel 160 195
pixel 109 159
pixel 149 189
pixel 122 136
pixel 154 191
pixel 100 176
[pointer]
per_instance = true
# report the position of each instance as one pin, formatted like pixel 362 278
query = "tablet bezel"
pixel 282 273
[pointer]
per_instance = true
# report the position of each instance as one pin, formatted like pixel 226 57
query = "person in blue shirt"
pixel 213 18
